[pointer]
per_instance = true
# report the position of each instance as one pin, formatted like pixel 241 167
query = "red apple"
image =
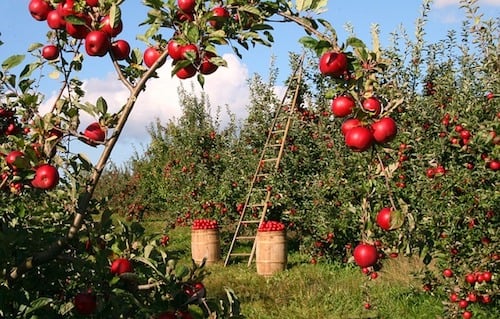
pixel 494 165
pixel 342 106
pixel 175 49
pixel 39 9
pixel 16 160
pixel 186 72
pixel 85 303
pixel 365 255
pixel 97 43
pixel 92 3
pixel 167 315
pixel 79 31
pixel 219 17
pixel 55 20
pixel 66 8
pixel 359 138
pixel 46 177
pixel 120 50
pixel 50 52
pixel 206 66
pixel 151 55
pixel 384 130
pixel 190 51
pixel 186 5
pixel 384 218
pixel 120 266
pixel 333 63
pixel 95 132
pixel 349 124
pixel 372 105
pixel 111 31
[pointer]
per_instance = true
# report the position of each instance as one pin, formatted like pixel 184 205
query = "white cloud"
pixel 227 86
pixel 446 3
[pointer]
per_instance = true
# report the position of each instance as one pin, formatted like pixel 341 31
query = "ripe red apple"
pixel 85 303
pixel 384 218
pixel 333 63
pixel 372 105
pixel 219 17
pixel 342 106
pixel 95 132
pixel 467 314
pixel 151 55
pixel 174 49
pixel 39 9
pixel 365 255
pixel 92 3
pixel 120 50
pixel 190 51
pixel 167 315
pixel 384 130
pixel 120 266
pixel 359 138
pixel 79 31
pixel 186 72
pixel 66 8
pixel 46 177
pixel 97 43
pixel 16 160
pixel 494 165
pixel 349 124
pixel 186 5
pixel 50 52
pixel 206 66
pixel 448 273
pixel 111 31
pixel 55 20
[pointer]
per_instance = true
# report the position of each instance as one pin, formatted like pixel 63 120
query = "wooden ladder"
pixel 259 193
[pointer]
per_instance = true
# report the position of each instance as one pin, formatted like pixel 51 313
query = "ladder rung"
pixel 278 131
pixel 240 254
pixel 262 175
pixel 274 145
pixel 250 221
pixel 270 159
pixel 245 237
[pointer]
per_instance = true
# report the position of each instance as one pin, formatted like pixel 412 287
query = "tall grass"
pixel 305 290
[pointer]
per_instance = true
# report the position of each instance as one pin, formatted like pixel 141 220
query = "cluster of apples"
pixel 271 225
pixel 359 135
pixel 189 58
pixel 43 176
pixel 87 23
pixel 204 223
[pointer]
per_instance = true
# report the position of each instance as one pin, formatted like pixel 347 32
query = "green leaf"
pixel 74 20
pixel 54 75
pixel 303 5
pixel 38 303
pixel 308 42
pixel 34 46
pixel 12 61
pixel 114 15
pixel 101 105
pixel 355 43
pixel 29 68
pixel 86 162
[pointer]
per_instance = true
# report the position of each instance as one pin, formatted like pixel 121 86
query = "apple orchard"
pixel 393 152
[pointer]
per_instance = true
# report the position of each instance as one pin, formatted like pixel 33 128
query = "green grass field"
pixel 305 290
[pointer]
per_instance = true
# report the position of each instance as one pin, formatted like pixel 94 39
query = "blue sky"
pixel 18 30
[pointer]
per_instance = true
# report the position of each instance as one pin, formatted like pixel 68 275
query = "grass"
pixel 309 291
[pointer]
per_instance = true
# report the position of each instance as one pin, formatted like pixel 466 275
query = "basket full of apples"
pixel 205 241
